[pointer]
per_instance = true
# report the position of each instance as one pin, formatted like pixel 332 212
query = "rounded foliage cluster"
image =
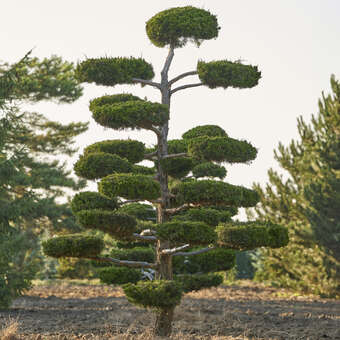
pixel 175 26
pixel 117 224
pixel 132 150
pixel 100 164
pixel 224 73
pixel 209 216
pixel 221 149
pixel 143 170
pixel 139 210
pixel 205 130
pixel 129 186
pixel 177 167
pixel 251 235
pixel 177 146
pixel 180 232
pixel 196 282
pixel 212 261
pixel 145 254
pixel 119 275
pixel 209 192
pixel 118 112
pixel 209 169
pixel 88 200
pixel 75 245
pixel 158 294
pixel 113 71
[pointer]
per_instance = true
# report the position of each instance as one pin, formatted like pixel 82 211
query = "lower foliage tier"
pixel 157 294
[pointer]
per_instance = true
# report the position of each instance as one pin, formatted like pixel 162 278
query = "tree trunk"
pixel 164 317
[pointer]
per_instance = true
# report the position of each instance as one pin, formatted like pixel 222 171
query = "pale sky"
pixel 295 43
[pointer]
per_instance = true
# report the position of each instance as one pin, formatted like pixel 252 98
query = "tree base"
pixel 163 325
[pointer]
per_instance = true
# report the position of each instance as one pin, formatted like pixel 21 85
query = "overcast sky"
pixel 295 43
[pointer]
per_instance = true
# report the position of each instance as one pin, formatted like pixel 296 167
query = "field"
pixel 65 311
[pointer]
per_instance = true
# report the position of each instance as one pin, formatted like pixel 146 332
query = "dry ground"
pixel 64 311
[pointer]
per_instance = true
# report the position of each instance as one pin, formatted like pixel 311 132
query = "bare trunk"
pixel 164 316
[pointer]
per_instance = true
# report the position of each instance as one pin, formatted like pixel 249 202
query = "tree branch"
pixel 175 210
pixel 148 232
pixel 145 238
pixel 146 82
pixel 183 75
pixel 151 155
pixel 155 130
pixel 185 87
pixel 173 155
pixel 174 250
pixel 201 251
pixel 168 61
pixel 124 263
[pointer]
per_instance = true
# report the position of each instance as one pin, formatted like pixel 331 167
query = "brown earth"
pixel 251 311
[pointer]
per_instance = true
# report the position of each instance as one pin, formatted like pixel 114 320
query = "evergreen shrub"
pixel 209 169
pixel 88 200
pixel 196 282
pixel 205 130
pixel 119 275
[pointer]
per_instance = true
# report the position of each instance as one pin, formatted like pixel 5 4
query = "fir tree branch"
pixel 174 250
pixel 151 155
pixel 147 82
pixel 124 263
pixel 176 210
pixel 191 253
pixel 185 87
pixel 168 61
pixel 183 75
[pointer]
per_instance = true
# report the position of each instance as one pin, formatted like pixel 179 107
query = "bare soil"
pixel 250 311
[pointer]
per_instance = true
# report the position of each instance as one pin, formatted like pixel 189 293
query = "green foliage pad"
pixel 196 282
pixel 251 235
pixel 209 192
pixel 132 150
pixel 75 245
pixel 154 294
pixel 221 149
pixel 88 200
pixel 175 26
pixel 205 130
pixel 129 186
pixel 113 71
pixel 119 275
pixel 224 73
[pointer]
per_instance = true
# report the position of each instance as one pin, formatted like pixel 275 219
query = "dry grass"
pixel 10 330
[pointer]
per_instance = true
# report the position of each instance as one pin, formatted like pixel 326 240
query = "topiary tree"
pixel 183 185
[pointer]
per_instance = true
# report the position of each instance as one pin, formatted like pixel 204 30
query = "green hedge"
pixel 180 232
pixel 177 167
pixel 221 149
pixel 251 235
pixel 140 211
pixel 224 73
pixel 132 150
pixel 205 130
pixel 113 71
pixel 129 186
pixel 175 26
pixel 157 294
pixel 196 282
pixel 146 254
pixel 117 224
pixel 88 200
pixel 119 275
pixel 212 261
pixel 209 216
pixel 75 245
pixel 209 169
pixel 133 114
pixel 209 192
pixel 100 164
